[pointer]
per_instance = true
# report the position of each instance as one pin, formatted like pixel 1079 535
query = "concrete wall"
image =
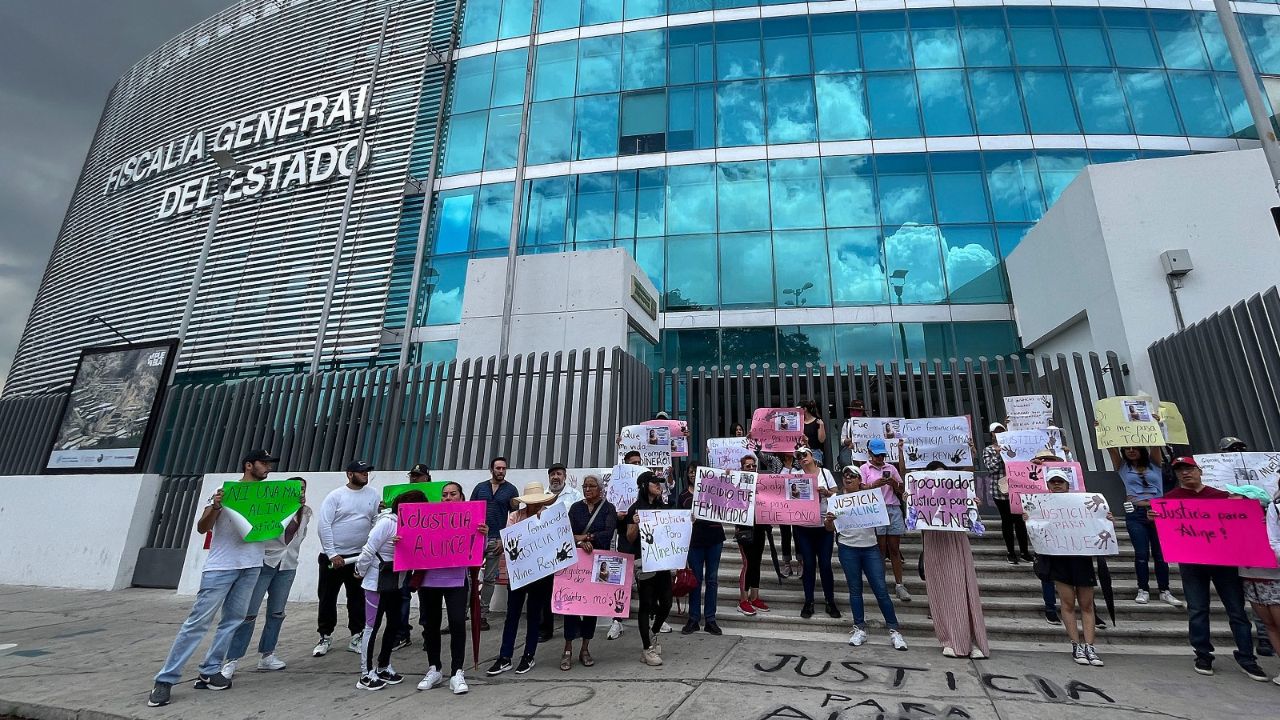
pixel 74 531
pixel 319 485
pixel 1095 256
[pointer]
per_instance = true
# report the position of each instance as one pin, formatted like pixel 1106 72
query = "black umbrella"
pixel 773 550
pixel 476 619
pixel 1108 594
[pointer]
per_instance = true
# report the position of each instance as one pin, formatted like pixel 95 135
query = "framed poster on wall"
pixel 107 423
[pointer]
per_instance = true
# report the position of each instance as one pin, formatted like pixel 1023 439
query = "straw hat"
pixel 535 494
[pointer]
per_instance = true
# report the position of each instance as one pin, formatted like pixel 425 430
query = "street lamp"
pixel 798 302
pixel 898 280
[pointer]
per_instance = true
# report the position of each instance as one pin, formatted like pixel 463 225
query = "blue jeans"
pixel 1226 580
pixel 275 584
pixel 226 589
pixel 535 593
pixel 814 546
pixel 1050 593
pixel 705 564
pixel 866 561
pixel 1142 533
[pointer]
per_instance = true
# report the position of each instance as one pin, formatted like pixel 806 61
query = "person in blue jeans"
pixel 229 576
pixel 1140 470
pixel 705 547
pixel 814 544
pixel 535 500
pixel 275 580
pixel 860 555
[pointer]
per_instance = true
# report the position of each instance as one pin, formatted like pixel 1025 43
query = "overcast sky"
pixel 58 61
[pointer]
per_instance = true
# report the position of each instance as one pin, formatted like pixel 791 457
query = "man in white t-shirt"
pixel 345 519
pixel 229 576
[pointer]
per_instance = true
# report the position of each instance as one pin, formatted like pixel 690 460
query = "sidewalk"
pixel 91 656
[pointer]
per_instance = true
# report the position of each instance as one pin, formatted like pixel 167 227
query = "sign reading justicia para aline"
pixel 292 169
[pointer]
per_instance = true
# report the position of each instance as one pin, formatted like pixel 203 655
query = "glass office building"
pixel 823 181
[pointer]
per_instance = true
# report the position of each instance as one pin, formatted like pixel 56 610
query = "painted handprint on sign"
pixel 565 552
pixel 1103 540
pixel 619 596
pixel 1028 505
pixel 957 456
pixel 513 548
pixel 1095 503
pixel 913 453
pixel 646 534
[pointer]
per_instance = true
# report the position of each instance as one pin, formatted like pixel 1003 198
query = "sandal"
pixel 584 657
pixel 566 660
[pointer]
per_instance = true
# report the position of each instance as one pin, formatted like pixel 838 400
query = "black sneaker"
pixel 1013 559
pixel 1204 666
pixel 1051 617
pixel 1026 556
pixel 832 610
pixel 526 664
pixel 806 612
pixel 216 681
pixel 159 695
pixel 1099 623
pixel 712 628
pixel 689 628
pixel 389 676
pixel 404 643
pixel 484 625
pixel 1254 672
pixel 370 682
pixel 499 666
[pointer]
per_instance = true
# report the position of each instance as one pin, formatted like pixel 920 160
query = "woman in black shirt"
pixel 594 521
pixel 654 587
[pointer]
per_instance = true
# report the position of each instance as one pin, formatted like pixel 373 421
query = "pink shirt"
pixel 872 474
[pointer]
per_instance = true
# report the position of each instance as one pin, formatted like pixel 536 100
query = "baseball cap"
pixel 853 469
pixel 877 447
pixel 1057 474
pixel 555 467
pixel 1185 460
pixel 662 415
pixel 1225 443
pixel 420 469
pixel 995 426
pixel 259 456
pixel 359 466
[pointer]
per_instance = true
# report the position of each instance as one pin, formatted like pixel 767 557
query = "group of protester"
pixel 358 537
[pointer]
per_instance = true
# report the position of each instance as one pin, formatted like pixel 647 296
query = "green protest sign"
pixel 261 510
pixel 431 489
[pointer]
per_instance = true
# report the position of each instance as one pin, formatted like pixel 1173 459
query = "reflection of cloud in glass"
pixel 691 199
pixel 740 114
pixel 743 196
pixel 857 269
pixel 850 191
pixel 1183 49
pixel 842 108
pixel 966 263
pixel 791 111
pixel 1014 186
pixel 914 248
pixel 796 193
pixel 936 48
pixel 1057 170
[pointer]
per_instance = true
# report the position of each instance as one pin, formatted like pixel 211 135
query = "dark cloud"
pixel 58 61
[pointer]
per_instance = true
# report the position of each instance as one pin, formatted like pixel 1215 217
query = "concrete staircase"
pixel 1011 600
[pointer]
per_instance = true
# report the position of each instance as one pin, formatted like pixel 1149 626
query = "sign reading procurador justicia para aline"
pixel 297 168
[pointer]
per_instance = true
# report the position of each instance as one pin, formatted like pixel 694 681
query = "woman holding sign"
pixel 815 544
pixel 654 587
pixel 594 520
pixel 1141 471
pixel 381 585
pixel 876 473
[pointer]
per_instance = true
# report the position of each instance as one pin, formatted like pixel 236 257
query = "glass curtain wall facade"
pixel 862 175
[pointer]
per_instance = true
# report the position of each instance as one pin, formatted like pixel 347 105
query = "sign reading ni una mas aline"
pixel 303 167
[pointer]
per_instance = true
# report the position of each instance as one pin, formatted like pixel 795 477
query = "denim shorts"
pixel 896 526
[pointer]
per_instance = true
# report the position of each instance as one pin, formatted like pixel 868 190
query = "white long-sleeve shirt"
pixel 376 549
pixel 346 517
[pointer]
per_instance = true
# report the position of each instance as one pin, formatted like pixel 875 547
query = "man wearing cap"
pixel 229 576
pixel 1226 580
pixel 500 498
pixel 566 495
pixel 346 517
pixel 851 411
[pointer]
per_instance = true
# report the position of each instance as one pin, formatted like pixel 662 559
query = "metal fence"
pixel 712 399
pixel 1224 373
pixel 27 427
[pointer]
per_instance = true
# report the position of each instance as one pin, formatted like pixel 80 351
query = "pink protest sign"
pixel 787 500
pixel 597 585
pixel 777 429
pixel 679 435
pixel 1213 532
pixel 440 535
pixel 725 496
pixel 1025 477
pixel 941 500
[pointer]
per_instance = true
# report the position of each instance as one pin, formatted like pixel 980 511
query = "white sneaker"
pixel 902 593
pixel 354 645
pixel 657 647
pixel 615 629
pixel 1167 598
pixel 650 658
pixel 229 668
pixel 665 628
pixel 458 684
pixel 269 663
pixel 857 637
pixel 976 654
pixel 322 648
pixel 899 642
pixel 432 679
pixel 1143 597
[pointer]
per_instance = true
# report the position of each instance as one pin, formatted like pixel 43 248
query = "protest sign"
pixel 787 500
pixel 653 444
pixel 1126 421
pixel 679 431
pixel 946 440
pixel 1069 523
pixel 724 496
pixel 727 453
pixel 1213 532
pixel 538 546
pixel 431 489
pixel 1025 477
pixel 1259 469
pixel 1172 425
pixel 863 430
pixel 261 510
pixel 621 489
pixel 664 539
pixel 941 500
pixel 777 429
pixel 597 585
pixel 1028 412
pixel 440 535
pixel 1022 445
pixel 862 509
